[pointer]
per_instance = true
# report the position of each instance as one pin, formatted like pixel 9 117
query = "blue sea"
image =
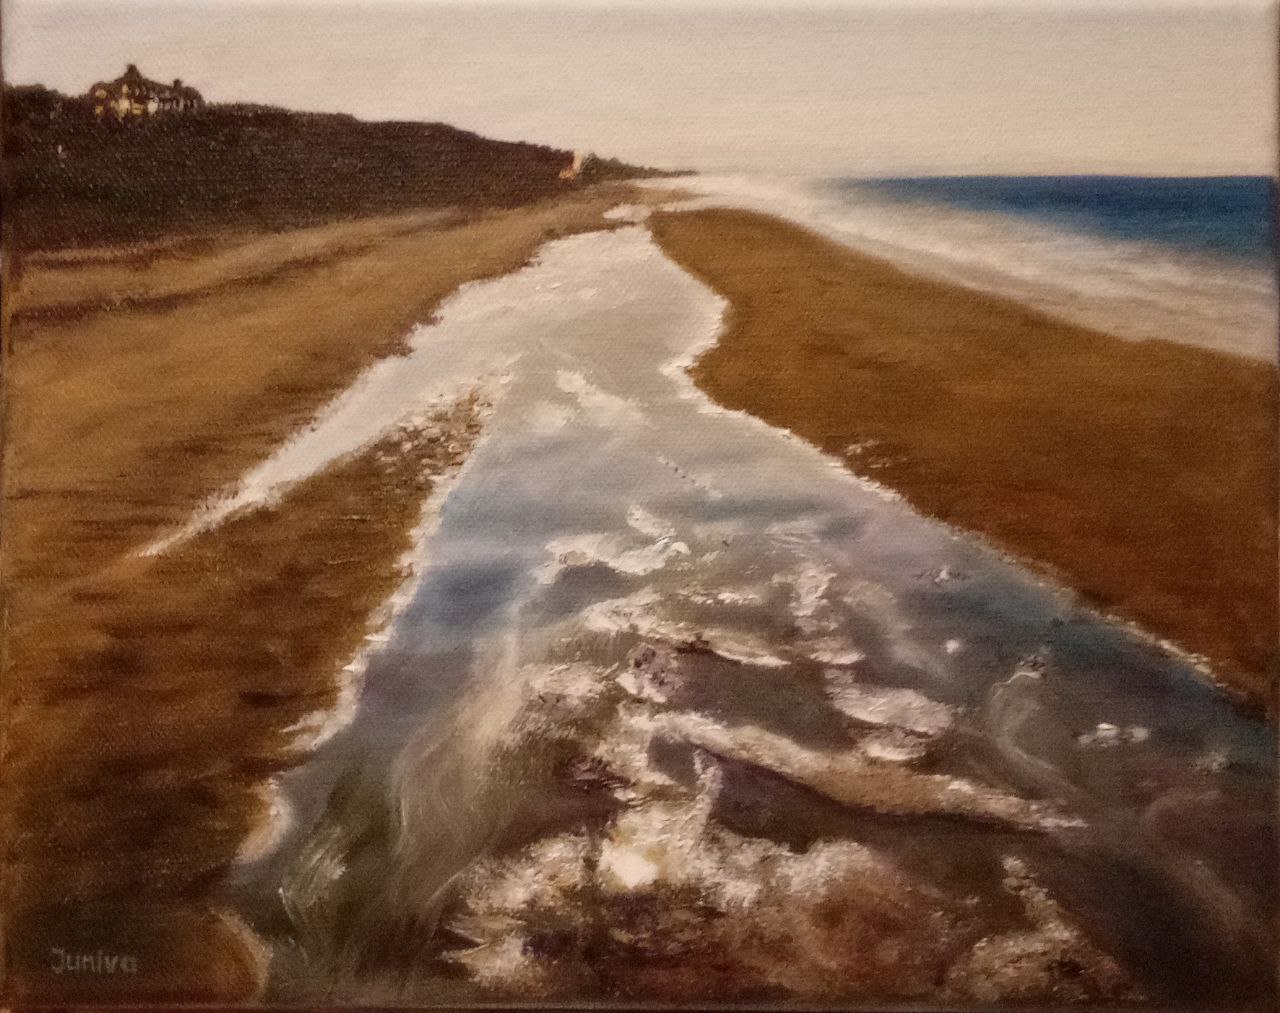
pixel 1224 215
pixel 1190 260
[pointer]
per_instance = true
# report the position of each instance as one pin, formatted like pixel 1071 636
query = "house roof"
pixel 140 84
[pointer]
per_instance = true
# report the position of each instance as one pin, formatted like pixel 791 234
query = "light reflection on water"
pixel 599 445
pixel 1126 287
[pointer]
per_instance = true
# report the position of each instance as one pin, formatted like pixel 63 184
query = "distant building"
pixel 132 96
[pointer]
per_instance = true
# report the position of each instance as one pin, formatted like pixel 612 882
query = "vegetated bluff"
pixel 71 180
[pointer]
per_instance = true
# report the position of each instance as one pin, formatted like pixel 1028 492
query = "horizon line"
pixel 780 7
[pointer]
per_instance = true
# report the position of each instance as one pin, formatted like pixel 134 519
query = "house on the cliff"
pixel 132 96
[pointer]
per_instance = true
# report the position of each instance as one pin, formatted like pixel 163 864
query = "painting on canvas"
pixel 654 503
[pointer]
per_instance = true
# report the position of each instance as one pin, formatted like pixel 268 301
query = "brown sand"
pixel 156 696
pixel 120 420
pixel 1142 474
pixel 72 284
pixel 145 699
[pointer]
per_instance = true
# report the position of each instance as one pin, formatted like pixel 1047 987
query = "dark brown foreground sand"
pixel 165 687
pixel 146 700
pixel 1141 474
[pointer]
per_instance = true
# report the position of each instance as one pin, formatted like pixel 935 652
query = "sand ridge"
pixel 1142 474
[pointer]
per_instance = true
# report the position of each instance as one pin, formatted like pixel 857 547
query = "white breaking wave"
pixel 1134 290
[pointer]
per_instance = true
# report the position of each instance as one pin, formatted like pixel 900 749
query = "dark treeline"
pixel 71 180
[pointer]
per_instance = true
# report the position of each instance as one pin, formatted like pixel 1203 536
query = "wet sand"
pixel 122 420
pixel 149 700
pixel 1142 474
pixel 693 734
pixel 690 733
pixel 170 690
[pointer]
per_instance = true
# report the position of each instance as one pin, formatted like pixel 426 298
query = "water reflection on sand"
pixel 680 708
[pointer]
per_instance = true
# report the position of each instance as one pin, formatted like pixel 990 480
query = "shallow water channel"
pixel 667 608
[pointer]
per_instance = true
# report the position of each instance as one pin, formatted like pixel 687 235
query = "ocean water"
pixel 1227 215
pixel 1188 261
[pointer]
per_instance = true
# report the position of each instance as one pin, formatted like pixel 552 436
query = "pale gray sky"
pixel 705 5
pixel 884 87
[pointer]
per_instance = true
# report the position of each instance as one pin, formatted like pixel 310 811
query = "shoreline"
pixel 141 726
pixel 681 369
pixel 235 643
pixel 864 377
pixel 762 647
pixel 155 700
pixel 1126 288
pixel 144 390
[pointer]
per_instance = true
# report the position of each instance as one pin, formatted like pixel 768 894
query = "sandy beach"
pixel 217 492
pixel 644 689
pixel 678 505
pixel 149 699
pixel 1100 462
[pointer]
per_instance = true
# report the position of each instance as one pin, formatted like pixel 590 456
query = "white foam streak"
pixel 877 705
pixel 1133 290
pixel 638 614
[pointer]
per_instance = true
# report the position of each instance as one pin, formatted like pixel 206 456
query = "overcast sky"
pixel 885 87
pixel 703 5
